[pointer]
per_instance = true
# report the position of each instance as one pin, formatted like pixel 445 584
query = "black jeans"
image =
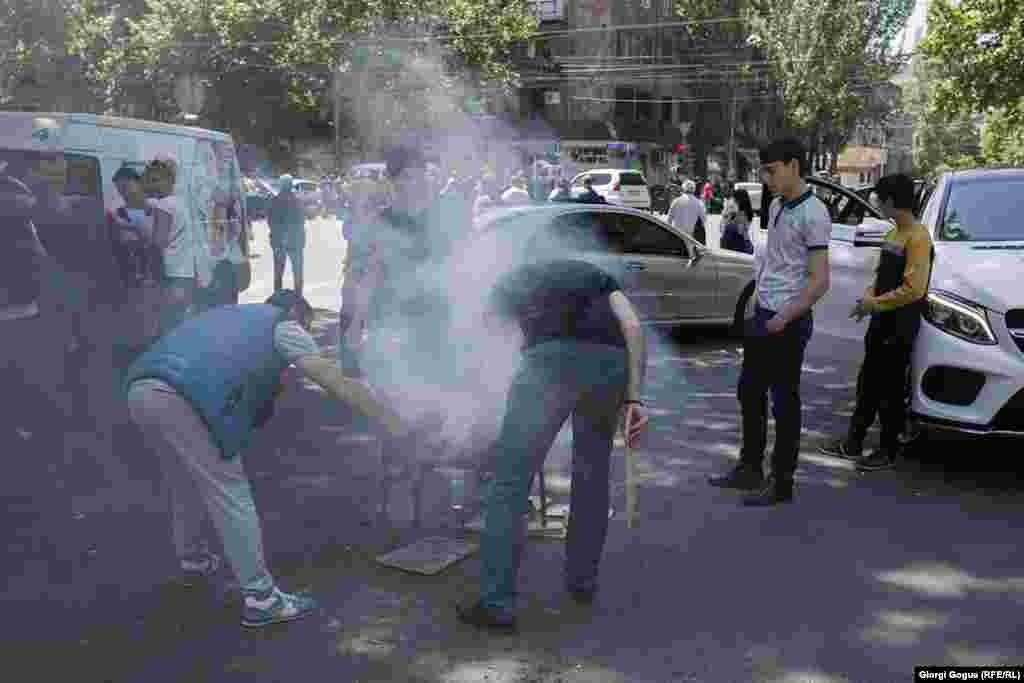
pixel 283 251
pixel 772 362
pixel 879 392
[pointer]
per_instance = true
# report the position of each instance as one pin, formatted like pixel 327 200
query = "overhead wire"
pixel 337 42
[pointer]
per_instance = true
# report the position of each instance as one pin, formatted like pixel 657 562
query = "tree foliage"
pixel 1002 138
pixel 260 60
pixel 976 49
pixel 942 140
pixel 823 55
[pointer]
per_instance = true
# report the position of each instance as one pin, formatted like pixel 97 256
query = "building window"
pixel 666 111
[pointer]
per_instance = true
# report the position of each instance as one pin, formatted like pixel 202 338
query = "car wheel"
pixel 744 303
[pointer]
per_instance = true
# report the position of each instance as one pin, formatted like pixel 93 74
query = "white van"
pixel 94 147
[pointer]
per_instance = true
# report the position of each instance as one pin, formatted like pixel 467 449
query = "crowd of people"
pixel 213 369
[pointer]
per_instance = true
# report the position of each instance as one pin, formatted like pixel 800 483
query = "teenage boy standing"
pixel 895 302
pixel 792 275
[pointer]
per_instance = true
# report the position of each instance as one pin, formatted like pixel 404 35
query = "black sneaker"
pixel 773 492
pixel 840 448
pixel 880 459
pixel 741 477
pixel 478 615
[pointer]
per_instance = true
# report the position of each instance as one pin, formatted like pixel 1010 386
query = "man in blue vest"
pixel 198 395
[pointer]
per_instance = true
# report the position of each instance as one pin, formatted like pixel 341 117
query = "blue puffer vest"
pixel 225 364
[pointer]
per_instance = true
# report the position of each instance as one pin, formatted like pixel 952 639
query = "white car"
pixel 968 367
pixel 618 186
pixel 374 171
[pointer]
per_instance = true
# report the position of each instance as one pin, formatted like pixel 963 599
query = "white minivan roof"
pixel 24 130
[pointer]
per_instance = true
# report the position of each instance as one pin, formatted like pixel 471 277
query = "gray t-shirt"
pixel 795 229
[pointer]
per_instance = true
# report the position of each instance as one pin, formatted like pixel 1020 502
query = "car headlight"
pixel 959 318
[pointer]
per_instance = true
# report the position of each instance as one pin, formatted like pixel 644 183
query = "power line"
pixel 668 101
pixel 338 42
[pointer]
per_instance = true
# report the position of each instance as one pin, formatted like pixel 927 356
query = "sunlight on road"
pixel 946 581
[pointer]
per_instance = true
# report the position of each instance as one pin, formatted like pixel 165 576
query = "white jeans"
pixel 191 464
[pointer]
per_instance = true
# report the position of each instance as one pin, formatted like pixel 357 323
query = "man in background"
pixel 687 212
pixel 287 219
pixel 589 194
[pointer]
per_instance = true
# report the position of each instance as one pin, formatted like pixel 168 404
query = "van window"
pixel 632 179
pixel 81 173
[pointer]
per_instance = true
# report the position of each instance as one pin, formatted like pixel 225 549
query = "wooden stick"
pixel 630 483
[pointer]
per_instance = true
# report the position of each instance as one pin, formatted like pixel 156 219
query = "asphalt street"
pixel 862 578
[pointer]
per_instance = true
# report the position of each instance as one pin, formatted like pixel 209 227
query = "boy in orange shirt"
pixel 895 302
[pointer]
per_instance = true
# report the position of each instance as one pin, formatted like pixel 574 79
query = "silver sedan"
pixel 670 278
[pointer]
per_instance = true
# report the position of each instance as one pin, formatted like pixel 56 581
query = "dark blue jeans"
pixel 556 380
pixel 772 362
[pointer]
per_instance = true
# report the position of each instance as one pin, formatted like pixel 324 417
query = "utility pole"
pixel 732 135
pixel 336 79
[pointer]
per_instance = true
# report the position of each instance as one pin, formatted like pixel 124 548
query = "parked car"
pixel 308 192
pixel 922 191
pixel 618 186
pixel 671 279
pixel 374 171
pixel 258 194
pixel 968 365
pixel 854 219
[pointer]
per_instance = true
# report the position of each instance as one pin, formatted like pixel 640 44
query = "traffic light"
pixel 681 153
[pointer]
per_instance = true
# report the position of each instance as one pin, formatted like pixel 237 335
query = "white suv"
pixel 968 369
pixel 619 186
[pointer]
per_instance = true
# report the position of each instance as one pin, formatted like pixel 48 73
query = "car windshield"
pixel 987 210
pixel 632 179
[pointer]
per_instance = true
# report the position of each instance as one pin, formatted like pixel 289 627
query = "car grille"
pixel 1011 416
pixel 1015 323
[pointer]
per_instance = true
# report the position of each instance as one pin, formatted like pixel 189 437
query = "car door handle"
pixel 635 265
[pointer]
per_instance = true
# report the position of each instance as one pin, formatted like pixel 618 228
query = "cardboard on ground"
pixel 429 556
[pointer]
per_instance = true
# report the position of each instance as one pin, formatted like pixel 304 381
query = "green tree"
pixel 1002 138
pixel 264 60
pixel 975 49
pixel 942 140
pixel 823 56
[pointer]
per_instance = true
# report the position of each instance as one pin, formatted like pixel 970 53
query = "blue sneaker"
pixel 278 607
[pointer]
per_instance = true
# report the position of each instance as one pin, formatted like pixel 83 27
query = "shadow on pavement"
pixel 860 579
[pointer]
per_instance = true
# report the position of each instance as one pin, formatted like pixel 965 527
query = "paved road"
pixel 861 579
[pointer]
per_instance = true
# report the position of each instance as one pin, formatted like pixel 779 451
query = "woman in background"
pixel 736 219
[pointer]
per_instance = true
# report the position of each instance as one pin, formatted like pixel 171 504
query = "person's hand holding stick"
pixel 634 421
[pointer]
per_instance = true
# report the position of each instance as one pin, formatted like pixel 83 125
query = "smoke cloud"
pixel 435 356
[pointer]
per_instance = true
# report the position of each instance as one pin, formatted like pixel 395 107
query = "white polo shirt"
pixel 795 229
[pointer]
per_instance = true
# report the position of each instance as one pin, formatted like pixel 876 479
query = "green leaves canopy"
pixel 824 55
pixel 976 49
